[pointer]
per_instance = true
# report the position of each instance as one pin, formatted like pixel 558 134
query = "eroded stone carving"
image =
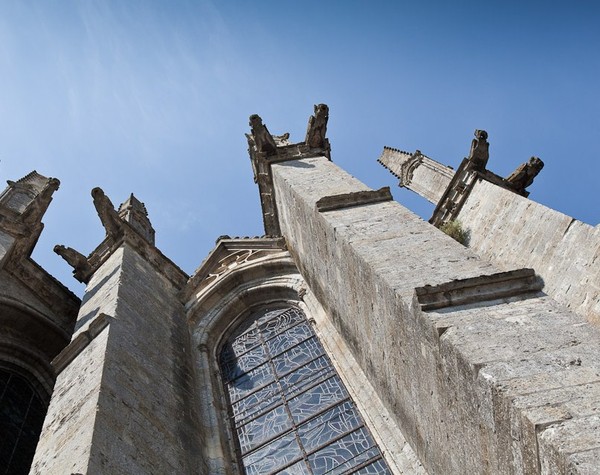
pixel 106 211
pixel 36 209
pixel 260 137
pixel 479 154
pixel 282 140
pixel 79 263
pixel 317 127
pixel 523 176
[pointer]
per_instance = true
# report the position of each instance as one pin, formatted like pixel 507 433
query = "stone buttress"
pixel 481 370
pixel 121 404
pixel 504 226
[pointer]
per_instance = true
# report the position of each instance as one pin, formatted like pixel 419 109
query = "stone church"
pixel 354 337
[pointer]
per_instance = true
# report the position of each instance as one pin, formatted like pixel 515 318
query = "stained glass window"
pixel 289 409
pixel 21 418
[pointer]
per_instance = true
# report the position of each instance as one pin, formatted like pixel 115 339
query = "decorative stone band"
pixel 229 253
pixel 478 289
pixel 80 342
pixel 356 198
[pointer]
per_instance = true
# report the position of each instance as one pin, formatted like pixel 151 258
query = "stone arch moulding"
pixel 219 307
pixel 29 343
pixel 214 313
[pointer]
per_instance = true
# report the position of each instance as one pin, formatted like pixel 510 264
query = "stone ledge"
pixel 478 289
pixel 81 341
pixel 356 198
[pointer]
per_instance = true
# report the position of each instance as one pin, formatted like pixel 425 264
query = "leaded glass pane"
pixel 242 364
pixel 299 468
pixel 280 314
pixel 259 430
pixel 343 454
pixel 21 418
pixel 283 320
pixel 333 423
pixel 256 403
pixel 297 356
pixel 306 376
pixel 376 468
pixel 318 398
pixel 249 382
pixel 290 410
pixel 249 339
pixel 272 456
pixel 292 336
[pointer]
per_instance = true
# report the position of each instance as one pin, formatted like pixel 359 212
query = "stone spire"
pixel 417 172
pixel 22 207
pixel 134 212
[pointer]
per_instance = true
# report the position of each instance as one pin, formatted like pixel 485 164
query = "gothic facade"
pixel 352 338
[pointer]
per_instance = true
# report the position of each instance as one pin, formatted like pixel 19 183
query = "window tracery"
pixel 289 409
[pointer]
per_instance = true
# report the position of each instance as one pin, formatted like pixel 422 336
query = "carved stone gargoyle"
pixel 108 215
pixel 260 136
pixel 523 176
pixel 317 127
pixel 479 154
pixel 79 263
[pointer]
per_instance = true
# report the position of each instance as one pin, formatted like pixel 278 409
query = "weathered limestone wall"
pixel 512 231
pixel 66 439
pixel 6 243
pixel 134 380
pixel 439 381
pixel 147 423
pixel 534 380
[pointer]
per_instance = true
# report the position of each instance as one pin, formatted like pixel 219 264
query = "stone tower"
pixel 353 337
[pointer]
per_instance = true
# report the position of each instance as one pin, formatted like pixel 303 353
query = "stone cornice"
pixel 356 198
pixel 227 255
pixel 478 289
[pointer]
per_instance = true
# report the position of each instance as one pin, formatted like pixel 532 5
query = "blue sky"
pixel 154 97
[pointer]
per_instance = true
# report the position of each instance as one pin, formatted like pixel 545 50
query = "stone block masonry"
pixel 466 384
pixel 122 405
pixel 513 231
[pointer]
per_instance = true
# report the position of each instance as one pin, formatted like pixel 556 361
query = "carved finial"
pixel 106 211
pixel 317 127
pixel 134 212
pixel 260 136
pixel 479 154
pixel 523 176
pixel 79 263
